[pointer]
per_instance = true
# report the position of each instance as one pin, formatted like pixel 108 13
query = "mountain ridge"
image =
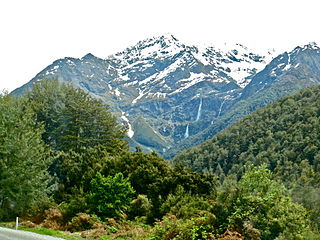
pixel 265 88
pixel 176 88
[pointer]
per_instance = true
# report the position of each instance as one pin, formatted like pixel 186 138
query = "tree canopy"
pixel 24 159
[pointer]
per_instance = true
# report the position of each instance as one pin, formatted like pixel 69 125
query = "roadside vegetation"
pixel 65 165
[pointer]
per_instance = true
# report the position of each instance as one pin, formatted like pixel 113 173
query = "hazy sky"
pixel 34 33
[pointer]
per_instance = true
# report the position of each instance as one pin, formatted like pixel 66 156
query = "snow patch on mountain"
pixel 130 132
pixel 141 94
pixel 162 66
pixel 237 62
pixel 188 82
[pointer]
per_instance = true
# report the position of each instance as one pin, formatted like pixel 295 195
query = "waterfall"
pixel 199 110
pixel 186 135
pixel 221 107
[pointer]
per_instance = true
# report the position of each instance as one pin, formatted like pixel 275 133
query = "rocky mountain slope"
pixel 285 74
pixel 169 93
pixel 286 133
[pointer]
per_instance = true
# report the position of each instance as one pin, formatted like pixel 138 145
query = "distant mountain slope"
pixel 286 74
pixel 285 135
pixel 172 86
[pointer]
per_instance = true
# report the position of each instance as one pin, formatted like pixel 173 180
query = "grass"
pixel 43 231
pixel 50 232
pixel 61 234
pixel 69 236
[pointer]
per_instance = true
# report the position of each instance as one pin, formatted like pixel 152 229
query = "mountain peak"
pixel 312 45
pixel 160 46
pixel 88 56
pixel 166 36
pixel 309 46
pixel 163 41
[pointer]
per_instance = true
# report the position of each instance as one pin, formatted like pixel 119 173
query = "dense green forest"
pixel 285 136
pixel 65 164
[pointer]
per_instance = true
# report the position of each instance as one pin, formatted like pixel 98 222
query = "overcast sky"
pixel 34 33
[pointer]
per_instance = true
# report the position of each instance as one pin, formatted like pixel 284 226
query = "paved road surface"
pixel 10 234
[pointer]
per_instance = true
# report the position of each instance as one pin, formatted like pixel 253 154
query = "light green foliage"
pixel 24 160
pixel 261 203
pixel 198 227
pixel 185 205
pixel 111 195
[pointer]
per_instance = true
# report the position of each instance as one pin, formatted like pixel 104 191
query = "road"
pixel 10 234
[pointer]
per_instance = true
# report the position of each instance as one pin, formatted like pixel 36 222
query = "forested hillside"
pixel 286 132
pixel 75 172
pixel 284 75
pixel 285 136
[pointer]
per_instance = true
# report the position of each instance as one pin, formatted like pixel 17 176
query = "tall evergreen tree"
pixel 74 120
pixel 24 159
pixel 79 129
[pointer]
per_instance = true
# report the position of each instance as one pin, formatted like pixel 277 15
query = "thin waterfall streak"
pixel 199 110
pixel 221 107
pixel 186 135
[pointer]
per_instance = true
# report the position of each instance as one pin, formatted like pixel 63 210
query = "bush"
pixel 140 207
pixel 258 206
pixel 185 205
pixel 200 227
pixel 83 222
pixel 110 196
pixel 78 204
pixel 53 219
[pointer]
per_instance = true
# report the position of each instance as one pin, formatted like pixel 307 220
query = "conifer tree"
pixel 24 160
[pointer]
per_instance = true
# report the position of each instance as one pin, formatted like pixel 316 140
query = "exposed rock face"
pixel 166 91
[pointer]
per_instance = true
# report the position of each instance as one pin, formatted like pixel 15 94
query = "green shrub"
pixel 110 196
pixel 200 227
pixel 185 205
pixel 76 204
pixel 257 204
pixel 140 207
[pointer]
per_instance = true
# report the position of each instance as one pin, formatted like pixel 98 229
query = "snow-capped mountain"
pixel 173 66
pixel 298 67
pixel 164 90
pixel 285 74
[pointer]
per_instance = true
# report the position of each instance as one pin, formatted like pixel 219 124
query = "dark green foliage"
pixel 24 160
pixel 79 129
pixel 75 171
pixel 73 120
pixel 98 176
pixel 109 196
pixel 150 175
pixel 140 207
pixel 284 135
pixel 281 135
pixel 255 207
